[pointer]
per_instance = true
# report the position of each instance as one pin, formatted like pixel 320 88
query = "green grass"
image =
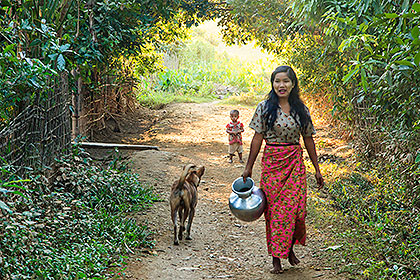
pixel 202 70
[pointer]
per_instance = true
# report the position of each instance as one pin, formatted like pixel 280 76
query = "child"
pixel 235 129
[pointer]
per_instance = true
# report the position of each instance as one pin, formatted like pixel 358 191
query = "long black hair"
pixel 297 108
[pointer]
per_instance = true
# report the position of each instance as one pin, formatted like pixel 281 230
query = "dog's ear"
pixel 199 171
pixel 195 175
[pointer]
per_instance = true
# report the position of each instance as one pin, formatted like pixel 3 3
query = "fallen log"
pixel 96 145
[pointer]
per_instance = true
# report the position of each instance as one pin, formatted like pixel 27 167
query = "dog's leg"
pixel 190 219
pixel 183 217
pixel 174 211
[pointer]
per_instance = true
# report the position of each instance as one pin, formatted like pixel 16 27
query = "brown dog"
pixel 184 198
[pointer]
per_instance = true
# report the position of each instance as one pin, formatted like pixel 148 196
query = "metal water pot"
pixel 246 202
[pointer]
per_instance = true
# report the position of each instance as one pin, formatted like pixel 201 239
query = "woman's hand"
pixel 319 179
pixel 247 173
pixel 310 147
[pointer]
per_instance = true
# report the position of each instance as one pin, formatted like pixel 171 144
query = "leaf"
pixel 44 27
pixel 405 5
pixel 364 80
pixel 415 32
pixel 18 181
pixel 8 48
pixel 417 59
pixel 408 15
pixel 80 275
pixel 391 15
pixel 347 77
pixel 389 77
pixel 64 48
pixel 61 63
pixel 404 68
pixel 375 61
pixel 416 7
pixel 5 207
pixel 34 82
pixel 418 157
pixel 10 185
pixel 394 50
pixel 399 40
pixel 20 194
pixel 363 27
pixel 404 62
pixel 4 190
pixel 35 42
pixel 52 56
pixel 344 44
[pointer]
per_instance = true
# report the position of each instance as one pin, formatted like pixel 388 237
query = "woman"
pixel 280 120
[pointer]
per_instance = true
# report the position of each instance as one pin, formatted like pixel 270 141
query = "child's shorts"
pixel 235 147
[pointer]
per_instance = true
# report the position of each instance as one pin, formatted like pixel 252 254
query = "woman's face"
pixel 282 85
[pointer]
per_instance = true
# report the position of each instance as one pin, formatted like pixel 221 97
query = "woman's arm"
pixel 310 147
pixel 253 153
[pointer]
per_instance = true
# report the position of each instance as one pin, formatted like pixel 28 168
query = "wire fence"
pixel 41 132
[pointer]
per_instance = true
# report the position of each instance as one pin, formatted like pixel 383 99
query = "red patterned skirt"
pixel 283 179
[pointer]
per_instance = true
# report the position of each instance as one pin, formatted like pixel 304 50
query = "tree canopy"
pixel 41 38
pixel 360 53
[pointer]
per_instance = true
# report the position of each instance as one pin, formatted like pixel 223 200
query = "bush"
pixel 383 209
pixel 74 226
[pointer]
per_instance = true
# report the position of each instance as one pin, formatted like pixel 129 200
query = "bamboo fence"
pixel 41 132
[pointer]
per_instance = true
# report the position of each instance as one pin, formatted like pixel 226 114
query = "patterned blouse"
pixel 237 129
pixel 285 129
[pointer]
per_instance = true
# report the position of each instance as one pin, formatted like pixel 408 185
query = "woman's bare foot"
pixel 292 258
pixel 277 269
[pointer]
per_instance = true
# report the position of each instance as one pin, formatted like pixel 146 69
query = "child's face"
pixel 234 117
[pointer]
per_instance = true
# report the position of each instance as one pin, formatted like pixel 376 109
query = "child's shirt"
pixel 235 132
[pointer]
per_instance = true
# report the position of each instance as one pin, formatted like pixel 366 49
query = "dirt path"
pixel 222 246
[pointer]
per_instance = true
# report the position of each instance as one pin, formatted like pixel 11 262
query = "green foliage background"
pixel 76 226
pixel 87 38
pixel 201 67
pixel 364 57
pixel 357 59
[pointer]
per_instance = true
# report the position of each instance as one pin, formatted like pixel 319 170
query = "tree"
pixel 42 38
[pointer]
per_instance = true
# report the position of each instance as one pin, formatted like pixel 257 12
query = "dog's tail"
pixel 184 175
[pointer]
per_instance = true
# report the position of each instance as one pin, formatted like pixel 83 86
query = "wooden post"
pixel 75 98
pixel 95 145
